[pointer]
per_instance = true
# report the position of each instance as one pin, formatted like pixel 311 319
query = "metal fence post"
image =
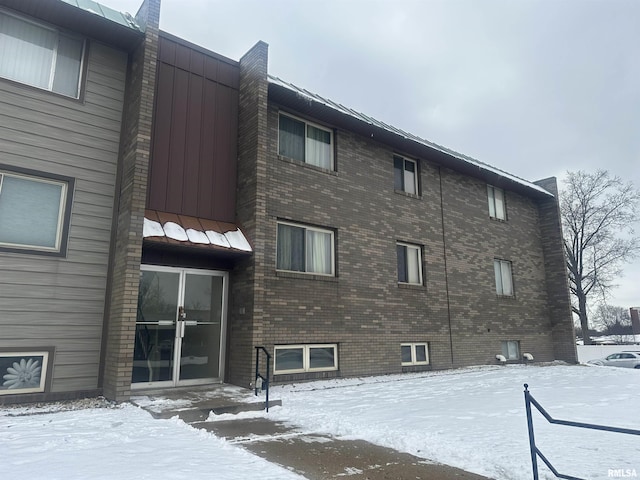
pixel 532 440
pixel 267 381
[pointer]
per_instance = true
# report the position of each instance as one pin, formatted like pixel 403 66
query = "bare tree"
pixel 598 212
pixel 613 321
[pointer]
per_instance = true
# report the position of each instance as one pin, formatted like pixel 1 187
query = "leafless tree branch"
pixel 598 214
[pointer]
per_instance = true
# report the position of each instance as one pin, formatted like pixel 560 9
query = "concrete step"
pixel 194 404
pixel 202 412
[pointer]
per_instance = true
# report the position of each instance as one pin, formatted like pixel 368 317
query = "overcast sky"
pixel 533 87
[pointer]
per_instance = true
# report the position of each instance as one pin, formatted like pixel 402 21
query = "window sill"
pixel 407 194
pixel 295 377
pixel 79 99
pixel 416 368
pixel 505 298
pixel 499 220
pixel 411 286
pixel 307 165
pixel 306 276
pixel 33 251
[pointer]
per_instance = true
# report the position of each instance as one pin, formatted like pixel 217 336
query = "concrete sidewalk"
pixel 314 456
pixel 319 457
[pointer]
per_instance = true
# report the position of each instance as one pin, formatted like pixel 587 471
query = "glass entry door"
pixel 179 327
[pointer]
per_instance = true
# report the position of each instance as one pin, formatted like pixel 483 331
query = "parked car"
pixel 621 359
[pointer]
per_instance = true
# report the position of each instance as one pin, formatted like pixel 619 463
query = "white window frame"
pixel 404 174
pixel 412 246
pixel 62 209
pixel 58 32
pixel 314 229
pixel 307 124
pixel 499 268
pixel 496 201
pixel 306 351
pixel 413 353
pixel 21 357
pixel 505 349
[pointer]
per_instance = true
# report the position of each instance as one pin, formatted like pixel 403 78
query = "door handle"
pixel 182 315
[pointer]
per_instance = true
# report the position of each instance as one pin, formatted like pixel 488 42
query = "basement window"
pixel 511 349
pixel 415 353
pixel 305 358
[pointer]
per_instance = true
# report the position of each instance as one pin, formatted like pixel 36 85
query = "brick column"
pixel 247 288
pixel 135 148
pixel 558 297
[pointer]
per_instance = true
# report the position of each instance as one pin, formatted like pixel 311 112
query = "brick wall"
pixel 246 280
pixel 363 308
pixel 481 320
pixel 118 341
pixel 556 275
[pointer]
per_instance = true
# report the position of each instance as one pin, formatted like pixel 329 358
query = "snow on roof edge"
pixel 121 18
pixel 408 136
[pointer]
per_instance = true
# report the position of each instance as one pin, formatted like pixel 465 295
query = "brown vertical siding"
pixel 193 162
pixel 161 123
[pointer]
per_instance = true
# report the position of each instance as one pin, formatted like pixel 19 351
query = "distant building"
pixel 635 320
pixel 197 208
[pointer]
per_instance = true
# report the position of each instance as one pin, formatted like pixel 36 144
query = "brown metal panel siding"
pixel 192 147
pixel 183 57
pixel 177 142
pixel 226 119
pixel 211 68
pixel 197 63
pixel 167 51
pixel 159 166
pixel 195 134
pixel 205 181
pixel 228 75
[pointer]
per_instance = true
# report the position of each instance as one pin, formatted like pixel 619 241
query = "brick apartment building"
pixel 207 208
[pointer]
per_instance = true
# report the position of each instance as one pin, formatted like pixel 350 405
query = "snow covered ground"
pixel 474 418
pixel 120 444
pixel 471 418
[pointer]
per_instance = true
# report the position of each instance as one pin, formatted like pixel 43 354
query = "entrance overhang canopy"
pixel 205 234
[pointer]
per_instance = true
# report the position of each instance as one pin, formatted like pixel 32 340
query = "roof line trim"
pixel 405 135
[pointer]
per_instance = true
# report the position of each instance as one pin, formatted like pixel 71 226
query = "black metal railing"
pixel 262 381
pixel 535 452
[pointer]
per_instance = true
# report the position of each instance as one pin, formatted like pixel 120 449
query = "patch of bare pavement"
pixel 313 456
pixel 320 457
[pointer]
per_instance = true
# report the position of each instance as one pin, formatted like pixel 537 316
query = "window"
pixel 496 203
pixel 24 371
pixel 304 249
pixel 33 210
pixel 405 175
pixel 504 282
pixel 305 142
pixel 415 354
pixel 409 263
pixel 511 349
pixel 40 56
pixel 305 358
